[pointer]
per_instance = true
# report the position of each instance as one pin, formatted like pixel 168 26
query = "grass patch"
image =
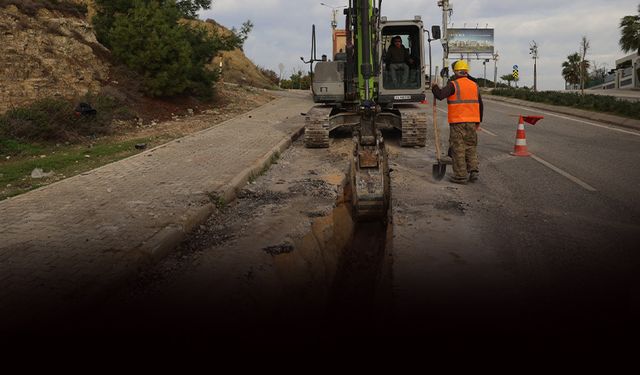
pixel 591 102
pixel 63 160
pixel 52 136
pixel 217 200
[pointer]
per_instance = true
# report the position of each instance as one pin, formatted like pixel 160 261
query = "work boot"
pixel 458 180
pixel 473 176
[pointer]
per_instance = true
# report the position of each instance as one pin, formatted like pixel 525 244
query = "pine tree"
pixel 170 56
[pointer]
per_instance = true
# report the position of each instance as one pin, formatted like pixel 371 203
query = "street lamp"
pixel 334 11
pixel 533 51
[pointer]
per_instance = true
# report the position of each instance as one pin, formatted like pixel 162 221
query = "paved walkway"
pixel 67 243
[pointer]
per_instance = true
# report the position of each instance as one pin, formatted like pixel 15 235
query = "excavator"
pixel 358 90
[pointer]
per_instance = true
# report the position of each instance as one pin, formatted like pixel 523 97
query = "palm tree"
pixel 630 33
pixel 508 78
pixel 571 69
pixel 584 63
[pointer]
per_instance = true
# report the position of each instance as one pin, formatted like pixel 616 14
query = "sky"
pixel 282 31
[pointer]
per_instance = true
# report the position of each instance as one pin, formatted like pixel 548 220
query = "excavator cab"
pixel 402 82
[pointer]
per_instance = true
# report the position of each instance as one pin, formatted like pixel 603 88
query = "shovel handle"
pixel 436 132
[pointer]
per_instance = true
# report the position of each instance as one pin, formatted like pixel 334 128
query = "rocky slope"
pixel 48 54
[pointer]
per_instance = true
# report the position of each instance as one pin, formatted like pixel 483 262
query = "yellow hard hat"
pixel 461 65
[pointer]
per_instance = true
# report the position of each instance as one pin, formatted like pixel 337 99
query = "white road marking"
pixel 484 130
pixel 569 118
pixel 481 128
pixel 565 174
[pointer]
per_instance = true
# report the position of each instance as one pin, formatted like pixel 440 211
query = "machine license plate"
pixel 402 97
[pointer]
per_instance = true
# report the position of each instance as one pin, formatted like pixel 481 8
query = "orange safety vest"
pixel 464 104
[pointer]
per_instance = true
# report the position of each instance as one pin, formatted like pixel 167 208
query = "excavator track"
pixel 317 127
pixel 414 129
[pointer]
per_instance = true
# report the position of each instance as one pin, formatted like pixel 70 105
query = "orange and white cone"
pixel 520 149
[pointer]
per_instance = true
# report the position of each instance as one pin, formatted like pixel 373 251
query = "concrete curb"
pixel 168 238
pixel 594 116
pixel 229 191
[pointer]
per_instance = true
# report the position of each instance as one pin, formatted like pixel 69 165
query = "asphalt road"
pixel 542 247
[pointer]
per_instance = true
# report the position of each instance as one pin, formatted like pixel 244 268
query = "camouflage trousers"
pixel 463 141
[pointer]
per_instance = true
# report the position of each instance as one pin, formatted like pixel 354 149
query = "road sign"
pixel 515 67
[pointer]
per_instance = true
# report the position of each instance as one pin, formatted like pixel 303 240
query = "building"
pixel 626 75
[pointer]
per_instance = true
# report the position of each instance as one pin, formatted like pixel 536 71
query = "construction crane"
pixel 364 90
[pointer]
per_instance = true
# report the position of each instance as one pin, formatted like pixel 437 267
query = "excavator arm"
pixel 369 170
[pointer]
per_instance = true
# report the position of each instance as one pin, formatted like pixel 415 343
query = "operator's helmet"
pixel 461 65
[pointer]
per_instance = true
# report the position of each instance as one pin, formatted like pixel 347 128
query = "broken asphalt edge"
pixel 624 122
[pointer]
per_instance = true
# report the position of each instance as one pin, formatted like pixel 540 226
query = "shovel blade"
pixel 439 170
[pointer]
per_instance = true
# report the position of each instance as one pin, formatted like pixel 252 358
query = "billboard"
pixel 470 40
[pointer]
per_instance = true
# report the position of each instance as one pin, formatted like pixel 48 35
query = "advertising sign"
pixel 470 40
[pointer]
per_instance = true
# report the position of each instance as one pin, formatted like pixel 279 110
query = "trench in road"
pixel 275 258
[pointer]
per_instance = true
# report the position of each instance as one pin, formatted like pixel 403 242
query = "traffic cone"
pixel 520 148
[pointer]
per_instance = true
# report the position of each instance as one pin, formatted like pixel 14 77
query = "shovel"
pixel 439 169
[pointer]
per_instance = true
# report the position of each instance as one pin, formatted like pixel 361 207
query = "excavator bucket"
pixel 370 183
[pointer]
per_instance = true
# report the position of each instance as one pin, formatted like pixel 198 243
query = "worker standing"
pixel 465 115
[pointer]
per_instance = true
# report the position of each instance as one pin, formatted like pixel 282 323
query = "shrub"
pixel 600 103
pixel 270 75
pixel 171 57
pixel 54 119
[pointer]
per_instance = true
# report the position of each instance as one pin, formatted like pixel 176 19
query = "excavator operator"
pixel 399 59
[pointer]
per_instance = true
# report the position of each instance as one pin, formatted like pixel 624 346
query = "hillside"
pixel 236 67
pixel 49 49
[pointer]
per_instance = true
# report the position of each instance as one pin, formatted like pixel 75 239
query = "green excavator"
pixel 360 90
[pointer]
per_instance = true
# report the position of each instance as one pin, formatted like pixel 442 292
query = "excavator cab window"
pixel 401 70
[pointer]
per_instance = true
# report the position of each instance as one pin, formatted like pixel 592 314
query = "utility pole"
pixel 334 23
pixel 495 70
pixel 533 51
pixel 334 11
pixel 447 10
pixel 484 63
